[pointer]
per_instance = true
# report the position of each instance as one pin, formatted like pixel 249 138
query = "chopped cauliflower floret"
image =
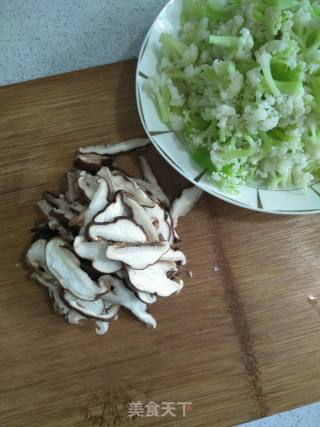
pixel 241 83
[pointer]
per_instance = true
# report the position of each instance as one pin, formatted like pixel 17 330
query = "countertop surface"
pixel 241 341
pixel 41 38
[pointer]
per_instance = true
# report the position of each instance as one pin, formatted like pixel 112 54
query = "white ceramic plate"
pixel 293 201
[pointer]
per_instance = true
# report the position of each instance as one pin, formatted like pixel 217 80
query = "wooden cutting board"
pixel 240 342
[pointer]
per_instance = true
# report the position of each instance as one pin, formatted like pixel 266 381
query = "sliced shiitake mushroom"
pixel 146 297
pixel 154 279
pixel 59 205
pixel 73 317
pixel 138 255
pixel 102 327
pixel 98 201
pixel 88 184
pixel 114 210
pixel 72 192
pixel 96 252
pixel 113 149
pixel 117 181
pixel 115 224
pixel 174 255
pixel 36 255
pixel 120 230
pixel 184 203
pixel 65 267
pixel 141 217
pixel 153 186
pixel 91 162
pixel 59 306
pixel 91 309
pixel 120 294
pixel 159 216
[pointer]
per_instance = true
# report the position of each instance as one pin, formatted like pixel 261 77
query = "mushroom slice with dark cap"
pixel 117 181
pixel 146 297
pixel 113 149
pixel 158 216
pixel 154 279
pixel 95 252
pixel 45 207
pixel 120 294
pixel 98 201
pixel 154 186
pixel 63 264
pixel 59 306
pixel 36 258
pixel 112 211
pixel 102 327
pixel 91 162
pixel 97 309
pixel 52 221
pixel 36 255
pixel 72 192
pixel 138 256
pixel 105 173
pixel 88 184
pixel 73 317
pixel 132 186
pixel 56 201
pixel 141 217
pixel 184 203
pixel 55 225
pixel 120 230
pixel 60 205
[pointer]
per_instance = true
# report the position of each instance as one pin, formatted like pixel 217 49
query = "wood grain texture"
pixel 240 342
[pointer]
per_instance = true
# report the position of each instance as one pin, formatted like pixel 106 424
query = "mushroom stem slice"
pixel 138 256
pixel 154 186
pixel 61 263
pixel 36 255
pixel 102 327
pixel 183 204
pixel 121 230
pixel 154 280
pixel 45 207
pixel 73 317
pixel 88 184
pixel 98 202
pixel 141 217
pixel 106 174
pixel 60 205
pixel 95 252
pixel 112 149
pixel 54 224
pixel 72 193
pixel 36 258
pixel 120 294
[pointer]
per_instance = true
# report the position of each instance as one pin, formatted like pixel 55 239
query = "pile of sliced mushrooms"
pixel 109 240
